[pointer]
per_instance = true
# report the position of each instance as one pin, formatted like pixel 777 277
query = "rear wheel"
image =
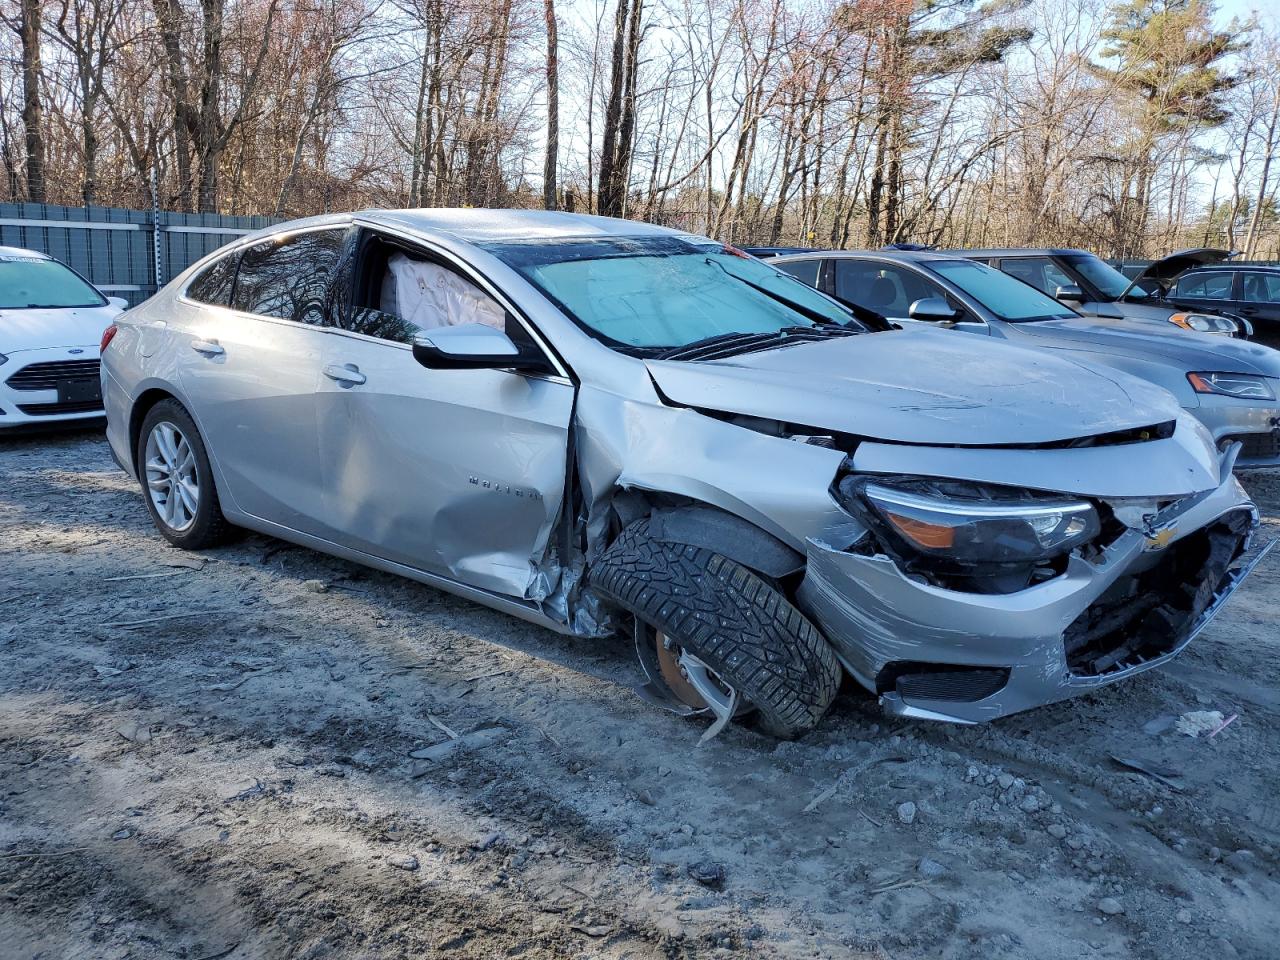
pixel 725 640
pixel 177 479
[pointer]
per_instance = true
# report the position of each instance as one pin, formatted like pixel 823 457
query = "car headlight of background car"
pixel 1240 385
pixel 1206 323
pixel 991 538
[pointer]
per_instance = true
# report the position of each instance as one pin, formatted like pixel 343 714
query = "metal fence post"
pixel 155 227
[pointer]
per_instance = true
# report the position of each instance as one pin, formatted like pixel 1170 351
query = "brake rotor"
pixel 673 675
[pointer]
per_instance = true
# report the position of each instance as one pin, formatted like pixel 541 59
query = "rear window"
pixel 32 283
pixel 288 277
pixel 806 271
pixel 213 284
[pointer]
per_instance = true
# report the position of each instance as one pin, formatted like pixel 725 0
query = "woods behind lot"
pixel 1129 128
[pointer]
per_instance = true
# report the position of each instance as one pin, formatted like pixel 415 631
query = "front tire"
pixel 731 620
pixel 177 479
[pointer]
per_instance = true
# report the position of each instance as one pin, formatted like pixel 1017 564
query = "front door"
pixel 455 472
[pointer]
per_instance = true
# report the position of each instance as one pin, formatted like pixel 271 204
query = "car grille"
pixel 45 376
pixel 967 686
pixel 1257 446
pixel 1147 615
pixel 54 409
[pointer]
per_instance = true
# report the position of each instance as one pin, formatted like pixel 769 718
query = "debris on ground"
pixel 708 873
pixel 1110 906
pixel 1198 723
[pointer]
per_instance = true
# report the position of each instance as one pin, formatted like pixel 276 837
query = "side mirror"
pixel 1069 293
pixel 472 346
pixel 120 302
pixel 933 310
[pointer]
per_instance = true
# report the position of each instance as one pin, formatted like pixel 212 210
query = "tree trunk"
pixel 32 110
pixel 549 186
pixel 1251 238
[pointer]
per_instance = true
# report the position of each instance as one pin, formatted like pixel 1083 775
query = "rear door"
pixel 1259 300
pixel 457 472
pixel 250 370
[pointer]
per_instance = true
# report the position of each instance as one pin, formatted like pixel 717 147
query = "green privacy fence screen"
pixel 122 252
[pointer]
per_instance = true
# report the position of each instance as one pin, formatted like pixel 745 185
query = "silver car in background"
pixel 1231 386
pixel 604 426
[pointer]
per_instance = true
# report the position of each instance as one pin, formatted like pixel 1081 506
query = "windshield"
pixel 27 282
pixel 647 294
pixel 1008 298
pixel 1111 283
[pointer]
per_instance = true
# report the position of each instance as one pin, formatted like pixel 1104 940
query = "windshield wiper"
pixel 730 344
pixel 807 312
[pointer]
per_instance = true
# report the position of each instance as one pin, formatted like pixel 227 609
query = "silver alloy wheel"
pixel 718 695
pixel 171 476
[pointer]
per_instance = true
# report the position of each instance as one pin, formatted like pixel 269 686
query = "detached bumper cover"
pixel 879 620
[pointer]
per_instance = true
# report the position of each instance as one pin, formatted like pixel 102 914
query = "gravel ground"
pixel 214 756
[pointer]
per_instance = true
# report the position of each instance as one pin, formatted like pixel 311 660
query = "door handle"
pixel 344 373
pixel 210 348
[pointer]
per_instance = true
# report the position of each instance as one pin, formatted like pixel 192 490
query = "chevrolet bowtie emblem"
pixel 1160 539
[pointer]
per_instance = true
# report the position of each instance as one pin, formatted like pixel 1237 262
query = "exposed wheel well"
pixel 695 523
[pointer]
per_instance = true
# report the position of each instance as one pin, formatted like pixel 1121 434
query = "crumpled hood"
pixel 1182 348
pixel 921 386
pixel 67 327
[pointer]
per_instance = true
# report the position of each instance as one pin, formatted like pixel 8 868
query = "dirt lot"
pixel 238 780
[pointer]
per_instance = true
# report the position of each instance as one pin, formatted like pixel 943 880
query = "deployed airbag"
pixel 430 296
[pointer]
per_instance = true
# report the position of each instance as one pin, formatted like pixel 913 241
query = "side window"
pixel 1041 272
pixel 213 284
pixel 289 278
pixel 1206 285
pixel 803 270
pixel 397 293
pixel 1260 287
pixel 887 289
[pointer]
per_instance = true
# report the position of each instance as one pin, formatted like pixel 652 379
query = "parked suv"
pixel 600 425
pixel 1249 290
pixel 1095 288
pixel 51 324
pixel 1231 386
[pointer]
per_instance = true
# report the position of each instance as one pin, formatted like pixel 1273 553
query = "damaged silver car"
pixel 604 426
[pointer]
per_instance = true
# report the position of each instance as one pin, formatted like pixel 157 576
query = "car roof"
pixel 480 225
pixel 1272 267
pixel 22 252
pixel 1020 252
pixel 909 255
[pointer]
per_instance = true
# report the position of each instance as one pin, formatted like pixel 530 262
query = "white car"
pixel 51 325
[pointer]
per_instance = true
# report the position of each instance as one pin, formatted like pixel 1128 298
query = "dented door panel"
pixel 457 472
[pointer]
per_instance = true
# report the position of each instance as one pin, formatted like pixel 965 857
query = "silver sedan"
pixel 603 427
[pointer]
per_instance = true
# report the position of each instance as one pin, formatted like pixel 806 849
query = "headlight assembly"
pixel 969 525
pixel 1206 323
pixel 1241 385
